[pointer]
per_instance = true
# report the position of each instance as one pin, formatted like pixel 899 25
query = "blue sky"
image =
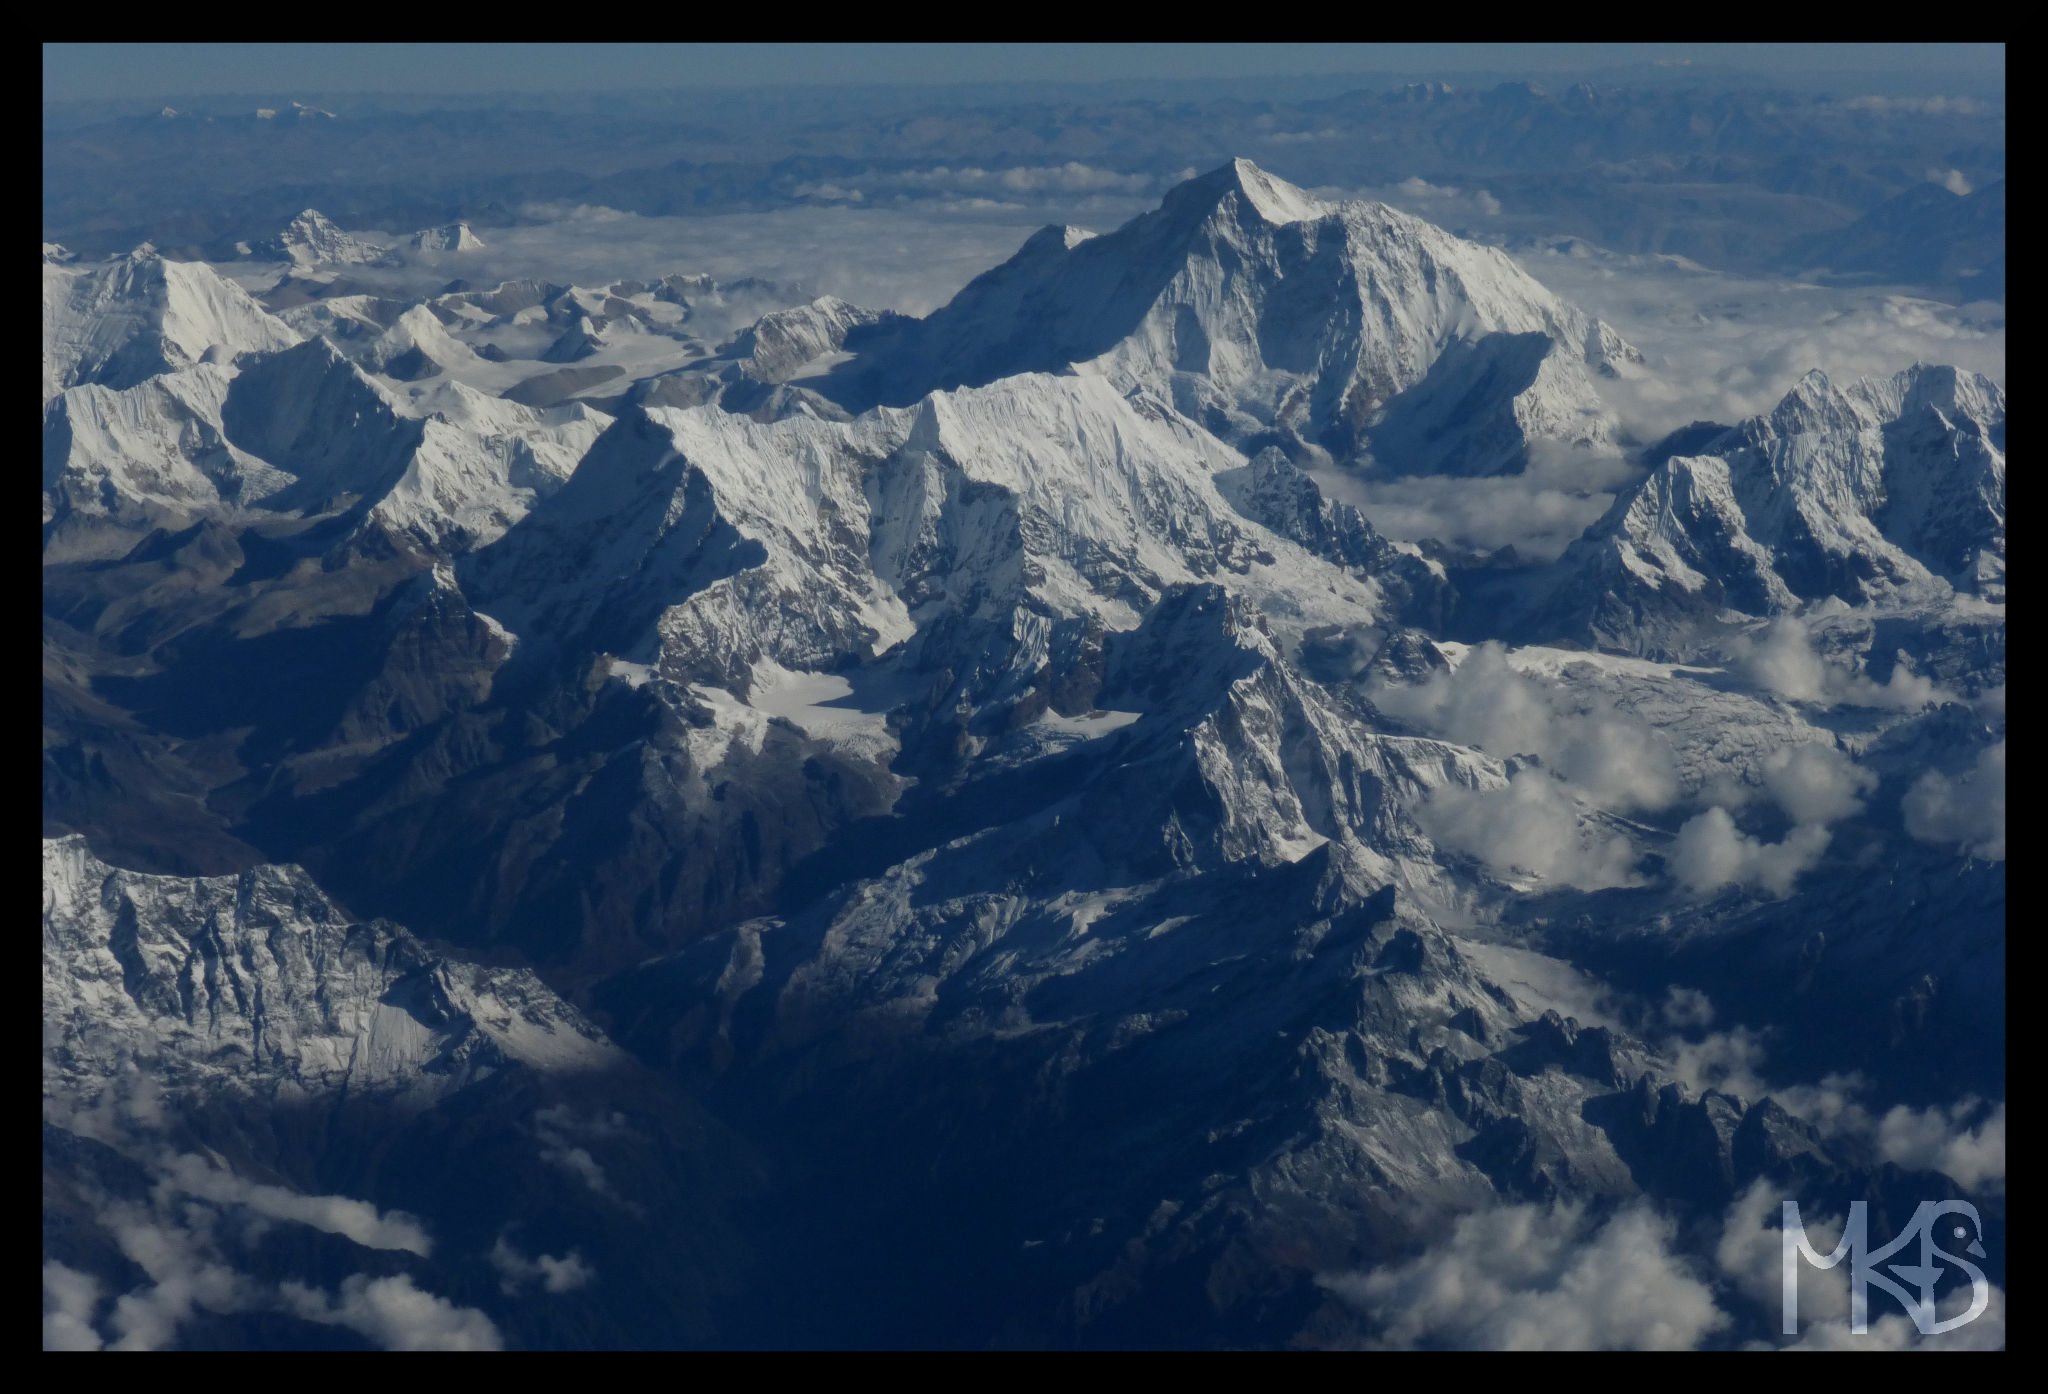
pixel 97 71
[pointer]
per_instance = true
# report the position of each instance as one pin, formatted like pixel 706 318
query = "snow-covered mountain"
pixel 119 322
pixel 265 1119
pixel 312 240
pixel 1256 308
pixel 302 432
pixel 1879 490
pixel 961 790
pixel 454 237
pixel 258 984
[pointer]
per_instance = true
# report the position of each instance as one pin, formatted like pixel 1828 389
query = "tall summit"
pixel 1261 310
pixel 312 239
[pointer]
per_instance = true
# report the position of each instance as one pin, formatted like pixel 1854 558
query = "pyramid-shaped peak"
pixel 1053 240
pixel 1269 196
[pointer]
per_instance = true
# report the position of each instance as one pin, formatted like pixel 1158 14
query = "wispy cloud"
pixel 1588 751
pixel 395 1313
pixel 352 1219
pixel 70 1301
pixel 1782 659
pixel 554 1275
pixel 1711 852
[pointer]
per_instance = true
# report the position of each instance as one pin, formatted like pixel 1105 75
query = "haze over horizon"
pixel 146 71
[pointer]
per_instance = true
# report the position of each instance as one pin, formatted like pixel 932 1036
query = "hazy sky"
pixel 92 71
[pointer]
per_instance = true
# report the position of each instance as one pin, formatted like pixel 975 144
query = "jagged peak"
pixel 1816 402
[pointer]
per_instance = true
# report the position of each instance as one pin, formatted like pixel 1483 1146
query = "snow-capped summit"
pixel 453 237
pixel 119 322
pixel 415 347
pixel 1254 190
pixel 1881 488
pixel 1255 307
pixel 311 239
pixel 785 343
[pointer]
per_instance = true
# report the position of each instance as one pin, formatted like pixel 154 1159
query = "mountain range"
pixel 694 812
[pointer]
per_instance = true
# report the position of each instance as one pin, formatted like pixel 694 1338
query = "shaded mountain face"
pixel 941 832
pixel 1928 235
pixel 341 1136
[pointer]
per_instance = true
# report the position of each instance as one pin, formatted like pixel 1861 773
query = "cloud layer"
pixel 1722 347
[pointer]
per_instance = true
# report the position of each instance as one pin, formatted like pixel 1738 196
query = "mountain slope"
pixel 251 1098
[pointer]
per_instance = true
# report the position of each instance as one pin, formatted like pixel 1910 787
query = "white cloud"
pixel 396 1314
pixel 1944 1140
pixel 69 1300
pixel 1917 106
pixel 178 1252
pixel 1436 202
pixel 352 1219
pixel 1727 1061
pixel 1530 828
pixel 911 258
pixel 1749 1255
pixel 1721 347
pixel 1539 512
pixel 1964 1140
pixel 1783 660
pixel 1072 177
pixel 177 1239
pixel 1815 783
pixel 1895 1330
pixel 1966 811
pixel 1588 751
pixel 1711 852
pixel 555 1275
pixel 559 1127
pixel 1686 1008
pixel 1526 1277
pixel 1617 762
